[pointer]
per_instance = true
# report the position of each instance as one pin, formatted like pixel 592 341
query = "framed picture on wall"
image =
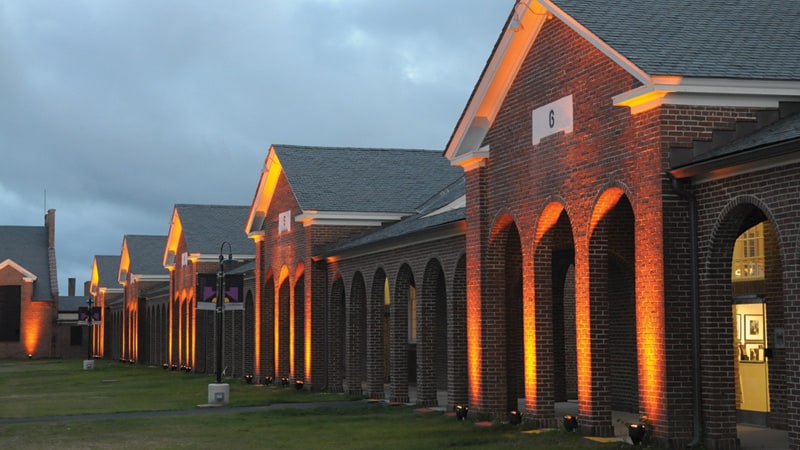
pixel 754 327
pixel 754 353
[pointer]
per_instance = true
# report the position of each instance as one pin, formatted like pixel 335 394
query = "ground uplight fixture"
pixel 515 417
pixel 636 432
pixel 571 423
pixel 268 380
pixel 298 384
pixel 249 379
pixel 461 412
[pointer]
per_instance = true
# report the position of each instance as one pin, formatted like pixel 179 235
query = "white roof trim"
pixel 345 218
pixel 27 275
pixel 460 202
pixel 676 90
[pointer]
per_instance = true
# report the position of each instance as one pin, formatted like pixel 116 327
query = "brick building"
pixel 613 226
pixel 616 156
pixel 28 290
pixel 198 236
pixel 319 311
pixel 106 290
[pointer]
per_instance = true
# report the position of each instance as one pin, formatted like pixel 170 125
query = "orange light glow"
pixel 474 346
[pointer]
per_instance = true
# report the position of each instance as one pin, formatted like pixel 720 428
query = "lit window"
pixel 748 255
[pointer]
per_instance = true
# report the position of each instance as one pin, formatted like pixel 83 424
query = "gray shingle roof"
pixel 787 129
pixel 146 253
pixel 416 223
pixel 747 39
pixel 362 179
pixel 107 271
pixel 206 227
pixel 71 303
pixel 28 247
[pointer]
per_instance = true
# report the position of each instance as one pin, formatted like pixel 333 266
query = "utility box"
pixel 219 393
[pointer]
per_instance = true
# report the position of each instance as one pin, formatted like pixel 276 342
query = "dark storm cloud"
pixel 119 109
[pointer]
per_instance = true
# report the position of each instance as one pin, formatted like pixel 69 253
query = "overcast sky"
pixel 113 111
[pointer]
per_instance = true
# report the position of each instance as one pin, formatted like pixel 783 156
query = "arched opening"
pixel 403 336
pixel 282 330
pixel 249 334
pixel 612 339
pixel 432 335
pixel 298 334
pixel 378 365
pixel 266 350
pixel 554 298
pixel 756 287
pixel 357 336
pixel 337 351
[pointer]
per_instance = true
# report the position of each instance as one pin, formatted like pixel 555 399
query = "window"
pixel 76 335
pixel 10 308
pixel 748 255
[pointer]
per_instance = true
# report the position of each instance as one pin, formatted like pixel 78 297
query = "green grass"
pixel 45 388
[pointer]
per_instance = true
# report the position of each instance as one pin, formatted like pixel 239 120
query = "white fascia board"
pixel 141 278
pixel 209 257
pixel 498 75
pixel 676 90
pixel 345 218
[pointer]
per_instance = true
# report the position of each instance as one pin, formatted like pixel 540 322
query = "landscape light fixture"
pixel 570 423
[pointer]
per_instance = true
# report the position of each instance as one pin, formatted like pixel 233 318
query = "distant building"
pixel 28 290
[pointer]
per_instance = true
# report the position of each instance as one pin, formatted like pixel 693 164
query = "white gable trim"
pixel 270 175
pixel 27 275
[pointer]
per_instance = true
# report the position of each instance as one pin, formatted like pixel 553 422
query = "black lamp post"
pixel 91 330
pixel 221 304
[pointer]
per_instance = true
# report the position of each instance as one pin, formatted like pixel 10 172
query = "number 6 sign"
pixel 552 118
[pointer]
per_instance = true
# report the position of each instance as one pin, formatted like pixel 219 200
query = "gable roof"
pixel 104 273
pixel 363 179
pixel 681 51
pixel 28 247
pixel 141 256
pixel 388 183
pixel 205 227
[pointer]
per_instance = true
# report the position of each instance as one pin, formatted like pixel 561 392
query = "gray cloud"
pixel 121 109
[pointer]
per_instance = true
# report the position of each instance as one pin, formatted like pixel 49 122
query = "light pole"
pixel 91 330
pixel 221 304
pixel 219 392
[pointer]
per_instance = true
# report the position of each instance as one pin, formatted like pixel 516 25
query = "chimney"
pixel 71 288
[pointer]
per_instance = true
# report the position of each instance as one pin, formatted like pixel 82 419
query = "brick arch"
pixel 502 372
pixel 283 325
pixel 337 351
pixel 378 362
pixel 402 370
pixel 604 351
pixel 719 382
pixel 551 363
pixel 432 334
pixel 356 335
pixel 266 321
pixel 298 336
pixel 249 334
pixel 457 370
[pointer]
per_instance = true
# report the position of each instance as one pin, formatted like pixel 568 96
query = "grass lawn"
pixel 30 389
